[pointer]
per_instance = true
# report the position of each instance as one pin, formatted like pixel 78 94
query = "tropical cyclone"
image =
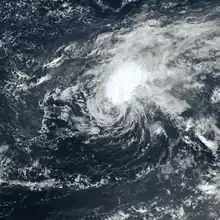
pixel 120 122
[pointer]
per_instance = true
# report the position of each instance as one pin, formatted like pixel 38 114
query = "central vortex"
pixel 122 84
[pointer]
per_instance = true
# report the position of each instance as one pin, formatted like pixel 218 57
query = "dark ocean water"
pixel 66 152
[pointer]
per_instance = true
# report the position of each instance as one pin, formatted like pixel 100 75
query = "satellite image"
pixel 109 110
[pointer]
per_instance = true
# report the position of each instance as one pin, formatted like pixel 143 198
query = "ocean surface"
pixel 109 110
